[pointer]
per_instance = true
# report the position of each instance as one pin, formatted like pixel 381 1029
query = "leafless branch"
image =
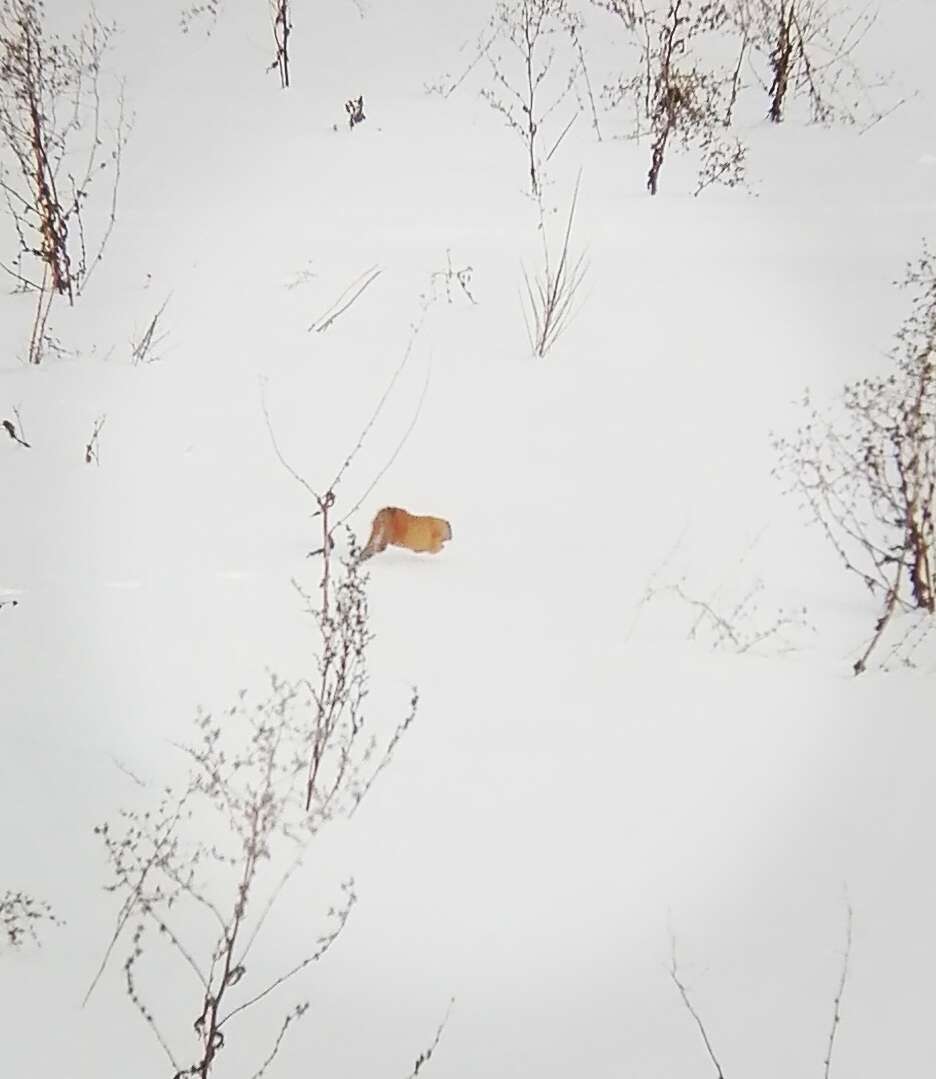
pixel 684 993
pixel 426 1055
pixel 280 14
pixel 52 128
pixel 836 1011
pixel 91 449
pixel 344 301
pixel 404 438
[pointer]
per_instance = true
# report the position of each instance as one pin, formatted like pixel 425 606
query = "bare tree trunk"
pixel 669 99
pixel 918 497
pixel 656 159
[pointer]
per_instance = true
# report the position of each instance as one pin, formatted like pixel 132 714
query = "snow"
pixel 582 779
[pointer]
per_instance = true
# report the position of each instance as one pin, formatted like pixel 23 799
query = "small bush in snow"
pixel 804 50
pixel 54 155
pixel 676 100
pixel 535 59
pixel 199 872
pixel 866 468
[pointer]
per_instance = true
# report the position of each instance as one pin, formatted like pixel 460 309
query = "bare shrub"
pixel 22 916
pixel 265 777
pixel 806 51
pixel 866 467
pixel 520 92
pixel 551 296
pixel 535 60
pixel 200 873
pixel 674 98
pixel 729 616
pixel 52 129
pixel 736 623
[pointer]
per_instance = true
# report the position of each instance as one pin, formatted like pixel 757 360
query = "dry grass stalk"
pixel 551 297
pixel 144 351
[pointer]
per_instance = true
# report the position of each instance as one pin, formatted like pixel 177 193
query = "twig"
pixel 683 992
pixel 37 336
pixel 588 86
pixel 122 132
pixel 426 1055
pixel 122 920
pixel 297 1013
pixel 402 728
pixel 482 49
pixel 91 450
pixel 320 325
pixel 393 456
pixel 130 903
pixel 836 1012
pixel 890 605
pixel 324 943
pixel 282 28
pixel 365 431
pixel 561 136
pixel 650 590
pixel 121 767
pixel 19 421
pixel 279 453
pixel 149 341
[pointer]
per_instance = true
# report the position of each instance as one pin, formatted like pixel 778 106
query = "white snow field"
pixel 583 779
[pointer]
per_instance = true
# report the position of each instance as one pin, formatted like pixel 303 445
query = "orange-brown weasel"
pixel 394 527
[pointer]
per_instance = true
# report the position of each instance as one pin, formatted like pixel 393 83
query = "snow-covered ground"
pixel 583 780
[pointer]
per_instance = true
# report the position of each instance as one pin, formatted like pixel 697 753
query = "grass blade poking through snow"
pixel 551 297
